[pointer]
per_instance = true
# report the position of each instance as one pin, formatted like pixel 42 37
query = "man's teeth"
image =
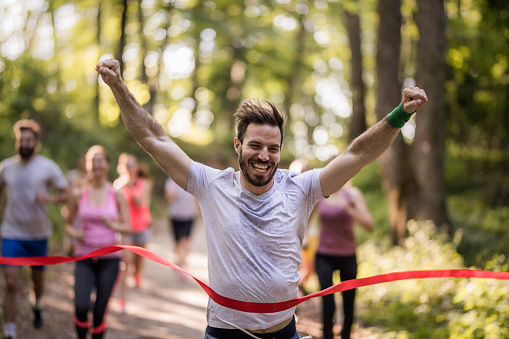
pixel 260 168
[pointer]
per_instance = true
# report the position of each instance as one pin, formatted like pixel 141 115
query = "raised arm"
pixel 144 128
pixel 369 145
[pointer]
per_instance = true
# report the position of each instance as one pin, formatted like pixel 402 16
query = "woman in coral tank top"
pixel 137 187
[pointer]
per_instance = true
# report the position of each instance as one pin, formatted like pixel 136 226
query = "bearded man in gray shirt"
pixel 27 178
pixel 254 218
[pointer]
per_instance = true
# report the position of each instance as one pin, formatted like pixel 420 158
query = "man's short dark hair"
pixel 27 125
pixel 251 111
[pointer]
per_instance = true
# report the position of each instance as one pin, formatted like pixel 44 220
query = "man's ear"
pixel 237 144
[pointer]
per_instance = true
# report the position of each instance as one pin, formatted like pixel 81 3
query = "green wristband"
pixel 398 117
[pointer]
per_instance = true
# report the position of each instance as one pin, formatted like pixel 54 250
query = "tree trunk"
pixel 195 75
pixel 152 82
pixel 122 40
pixel 358 119
pixel 237 77
pixel 143 43
pixel 429 146
pixel 295 69
pixel 195 80
pixel 394 163
pixel 97 100
pixel 234 78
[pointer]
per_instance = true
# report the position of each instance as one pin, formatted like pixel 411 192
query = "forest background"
pixel 439 195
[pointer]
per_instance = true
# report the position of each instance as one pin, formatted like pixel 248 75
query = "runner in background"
pixel 78 176
pixel 103 214
pixel 27 178
pixel 338 214
pixel 136 184
pixel 183 209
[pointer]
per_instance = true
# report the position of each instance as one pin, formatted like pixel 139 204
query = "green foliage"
pixel 483 308
pixel 430 308
pixel 483 228
pixel 58 222
pixel 477 85
pixel 478 169
pixel 477 92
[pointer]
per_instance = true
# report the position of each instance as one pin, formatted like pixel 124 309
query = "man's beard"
pixel 26 152
pixel 256 181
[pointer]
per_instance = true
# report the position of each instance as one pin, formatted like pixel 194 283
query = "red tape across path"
pixel 253 307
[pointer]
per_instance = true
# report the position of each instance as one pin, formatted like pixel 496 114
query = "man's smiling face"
pixel 259 156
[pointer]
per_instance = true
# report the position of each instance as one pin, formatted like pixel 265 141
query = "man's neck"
pixel 27 160
pixel 256 190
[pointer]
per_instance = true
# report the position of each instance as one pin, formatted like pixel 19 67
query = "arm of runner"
pixel 46 198
pixel 359 210
pixel 72 206
pixel 367 147
pixel 146 194
pixel 144 128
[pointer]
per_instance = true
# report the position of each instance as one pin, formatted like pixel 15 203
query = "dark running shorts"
pixel 181 229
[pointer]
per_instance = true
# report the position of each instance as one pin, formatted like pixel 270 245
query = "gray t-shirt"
pixel 253 241
pixel 24 218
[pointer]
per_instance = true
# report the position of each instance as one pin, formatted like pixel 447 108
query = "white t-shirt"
pixel 253 241
pixel 183 207
pixel 24 218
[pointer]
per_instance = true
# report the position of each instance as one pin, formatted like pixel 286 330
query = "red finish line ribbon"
pixel 253 307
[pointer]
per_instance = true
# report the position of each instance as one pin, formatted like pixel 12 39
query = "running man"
pixel 255 218
pixel 27 178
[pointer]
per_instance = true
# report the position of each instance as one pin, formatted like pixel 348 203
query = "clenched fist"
pixel 413 98
pixel 109 71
